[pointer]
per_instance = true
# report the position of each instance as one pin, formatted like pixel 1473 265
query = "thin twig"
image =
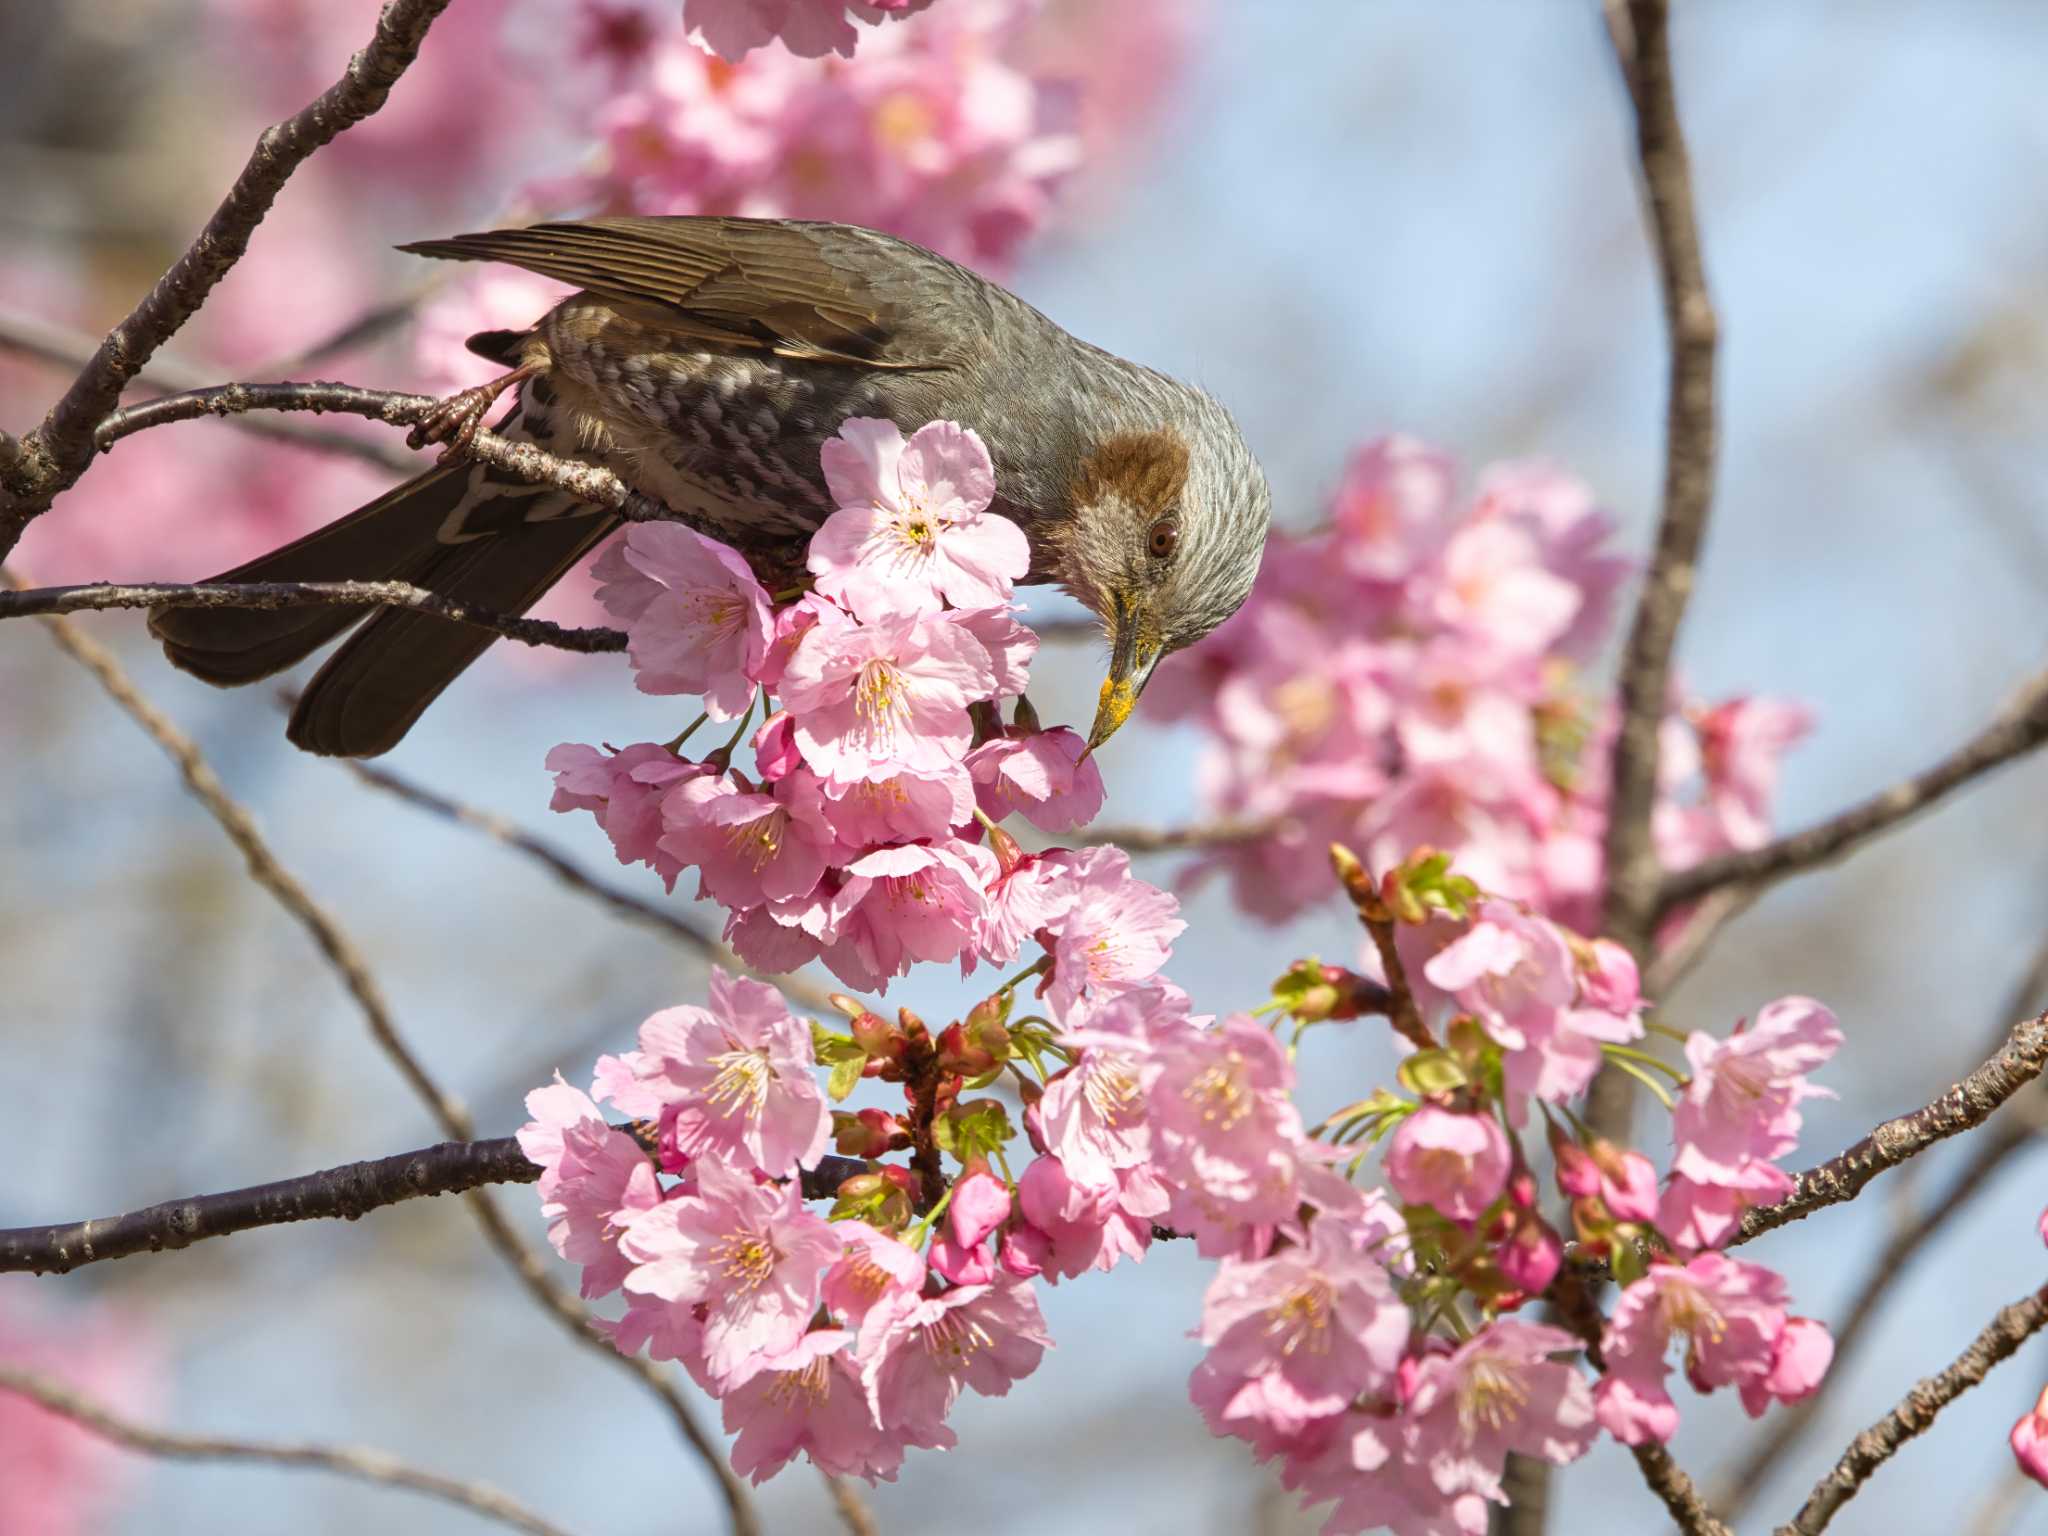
pixel 1401 1010
pixel 1966 1105
pixel 372 325
pixel 53 456
pixel 587 482
pixel 73 349
pixel 2021 727
pixel 1677 960
pixel 1689 434
pixel 2003 1136
pixel 359 1462
pixel 851 1508
pixel 349 965
pixel 519 840
pixel 1200 834
pixel 2005 1333
pixel 332 1194
pixel 304 594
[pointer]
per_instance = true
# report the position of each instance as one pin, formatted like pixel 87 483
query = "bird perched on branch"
pixel 706 361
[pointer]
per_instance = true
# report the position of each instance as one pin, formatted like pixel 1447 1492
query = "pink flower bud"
pixel 1578 1176
pixel 1456 1163
pixel 981 1203
pixel 775 752
pixel 2030 1441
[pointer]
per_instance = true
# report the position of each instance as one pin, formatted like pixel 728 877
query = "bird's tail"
pixel 457 530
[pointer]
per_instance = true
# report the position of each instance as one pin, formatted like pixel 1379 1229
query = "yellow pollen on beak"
pixel 1113 707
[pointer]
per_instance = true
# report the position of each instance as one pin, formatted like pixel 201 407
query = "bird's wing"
pixel 825 292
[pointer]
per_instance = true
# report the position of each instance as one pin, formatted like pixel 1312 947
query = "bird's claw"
pixel 454 422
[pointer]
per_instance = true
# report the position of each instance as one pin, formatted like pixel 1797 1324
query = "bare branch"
pixel 1989 1150
pixel 302 594
pixel 851 1508
pixel 517 838
pixel 2021 727
pixel 53 456
pixel 350 966
pixel 1669 1482
pixel 345 1193
pixel 2006 1332
pixel 1644 56
pixel 65 347
pixel 586 482
pixel 359 1462
pixel 1966 1105
pixel 1199 834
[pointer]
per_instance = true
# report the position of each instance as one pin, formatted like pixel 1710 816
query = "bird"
pixel 706 360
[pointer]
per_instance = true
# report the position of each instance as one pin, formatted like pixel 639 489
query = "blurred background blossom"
pixel 1348 221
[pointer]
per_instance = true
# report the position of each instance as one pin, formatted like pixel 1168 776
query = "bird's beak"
pixel 1133 652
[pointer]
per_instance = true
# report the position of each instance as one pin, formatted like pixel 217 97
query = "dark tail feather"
pixel 371 691
pixel 389 539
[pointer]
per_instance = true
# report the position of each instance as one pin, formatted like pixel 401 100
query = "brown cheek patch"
pixel 1146 469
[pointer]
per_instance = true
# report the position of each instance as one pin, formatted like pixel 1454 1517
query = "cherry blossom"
pixel 919 1352
pixel 913 533
pixel 807 28
pixel 808 1399
pixel 875 700
pixel 696 620
pixel 751 848
pixel 750 1254
pixel 737 1077
pixel 591 1176
pixel 626 791
pixel 1040 775
pixel 1456 1163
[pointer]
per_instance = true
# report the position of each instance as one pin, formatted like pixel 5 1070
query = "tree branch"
pixel 52 457
pixel 1644 56
pixel 71 349
pixel 519 840
pixel 2006 1332
pixel 345 1193
pixel 1199 834
pixel 2021 727
pixel 586 482
pixel 98 596
pixel 359 1462
pixel 348 963
pixel 1966 1105
pixel 1988 1152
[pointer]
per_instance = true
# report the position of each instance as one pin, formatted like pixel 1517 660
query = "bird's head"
pixel 1164 541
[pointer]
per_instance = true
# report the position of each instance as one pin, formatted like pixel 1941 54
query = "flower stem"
pixel 676 746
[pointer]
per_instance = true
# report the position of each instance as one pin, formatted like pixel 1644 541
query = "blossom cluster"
pixel 1405 676
pixel 56 1477
pixel 1362 1334
pixel 858 838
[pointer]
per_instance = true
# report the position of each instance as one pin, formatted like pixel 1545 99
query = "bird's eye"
pixel 1164 538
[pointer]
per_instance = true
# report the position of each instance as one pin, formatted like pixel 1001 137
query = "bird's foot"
pixel 456 420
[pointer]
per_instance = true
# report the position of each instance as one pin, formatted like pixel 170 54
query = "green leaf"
pixel 1425 883
pixel 1428 1072
pixel 1626 1260
pixel 845 1073
pixel 974 1128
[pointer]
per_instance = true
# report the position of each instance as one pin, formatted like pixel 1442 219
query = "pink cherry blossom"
pixel 2030 1440
pixel 1743 1101
pixel 904 807
pixel 901 905
pixel 875 700
pixel 980 1203
pixel 1040 774
pixel 918 1352
pixel 807 28
pixel 872 1267
pixel 1298 1336
pixel 1091 1115
pixel 808 1399
pixel 751 848
pixel 591 1177
pixel 1226 1136
pixel 1456 1163
pixel 1693 1216
pixel 1116 934
pixel 1516 973
pixel 1070 1227
pixel 696 620
pixel 749 1253
pixel 1010 645
pixel 738 1078
pixel 56 1477
pixel 1500 1392
pixel 624 790
pixel 1033 894
pixel 1732 1319
pixel 913 533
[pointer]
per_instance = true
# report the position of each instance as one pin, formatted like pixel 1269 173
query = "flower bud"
pixel 1008 851
pixel 869 1133
pixel 877 1036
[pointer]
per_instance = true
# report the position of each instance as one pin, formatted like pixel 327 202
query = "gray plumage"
pixel 706 361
